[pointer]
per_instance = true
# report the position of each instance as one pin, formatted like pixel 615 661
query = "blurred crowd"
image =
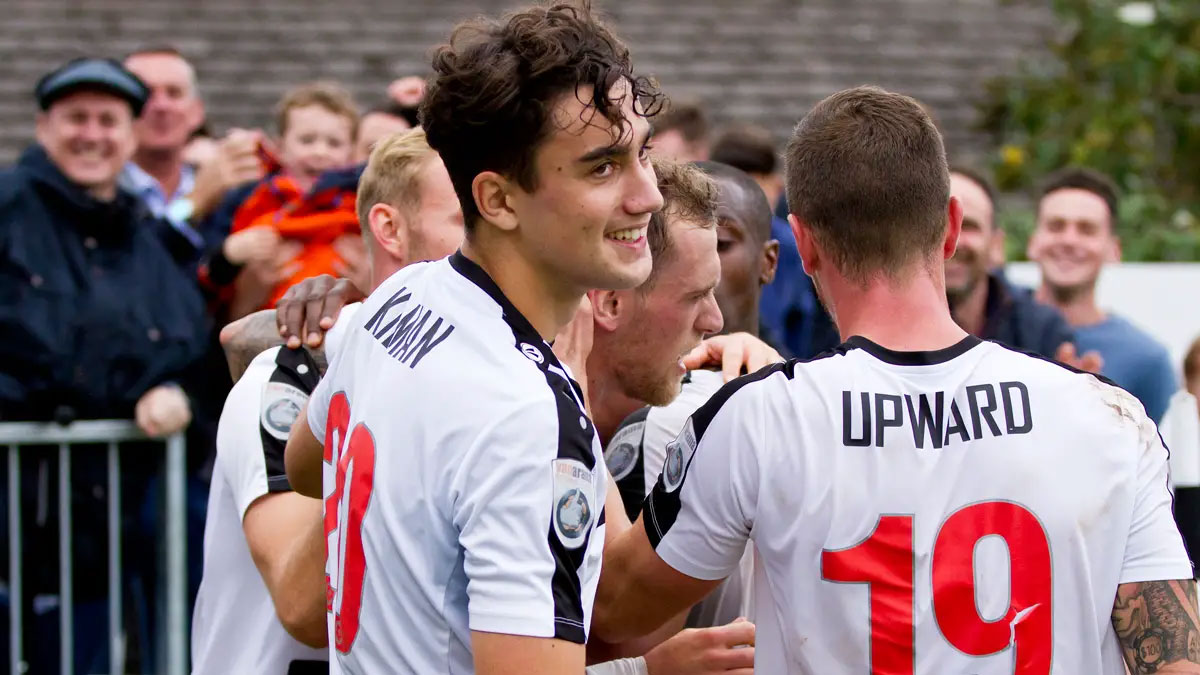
pixel 131 232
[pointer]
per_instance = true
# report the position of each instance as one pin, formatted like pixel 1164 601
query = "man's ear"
pixel 390 230
pixel 492 197
pixel 1114 250
pixel 607 307
pixel 954 218
pixel 806 245
pixel 770 262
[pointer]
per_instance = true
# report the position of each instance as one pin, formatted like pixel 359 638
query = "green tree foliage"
pixel 1119 91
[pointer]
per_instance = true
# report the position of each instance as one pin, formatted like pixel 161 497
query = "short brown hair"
pixel 747 147
pixel 393 175
pixel 489 103
pixel 866 171
pixel 688 194
pixel 328 95
pixel 1089 180
pixel 687 116
pixel 1191 362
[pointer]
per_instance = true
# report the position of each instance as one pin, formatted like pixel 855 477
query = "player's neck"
pixel 609 405
pixel 542 299
pixel 908 316
pixel 1077 305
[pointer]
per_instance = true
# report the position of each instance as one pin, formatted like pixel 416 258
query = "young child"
pixel 291 208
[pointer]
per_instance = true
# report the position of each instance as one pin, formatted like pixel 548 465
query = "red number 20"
pixel 349 501
pixel 885 561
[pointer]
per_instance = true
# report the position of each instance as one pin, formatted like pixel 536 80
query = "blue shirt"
pixel 1132 359
pixel 788 307
pixel 150 193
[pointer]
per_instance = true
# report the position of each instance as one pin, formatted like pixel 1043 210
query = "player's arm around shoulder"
pixel 286 538
pixel 1157 625
pixel 638 591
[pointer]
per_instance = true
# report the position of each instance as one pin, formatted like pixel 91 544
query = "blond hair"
pixel 393 175
pixel 328 95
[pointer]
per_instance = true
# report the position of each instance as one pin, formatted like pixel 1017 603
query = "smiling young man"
pixel 904 492
pixel 464 524
pixel 1075 238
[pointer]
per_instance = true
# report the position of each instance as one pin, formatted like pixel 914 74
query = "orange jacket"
pixel 315 219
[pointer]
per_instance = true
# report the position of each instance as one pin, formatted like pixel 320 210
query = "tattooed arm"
pixel 1158 627
pixel 252 335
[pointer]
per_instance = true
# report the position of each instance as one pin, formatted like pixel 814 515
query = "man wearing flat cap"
pixel 97 319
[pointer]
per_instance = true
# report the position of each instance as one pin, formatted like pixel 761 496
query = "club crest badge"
pixel 574 502
pixel 281 405
pixel 679 453
pixel 623 450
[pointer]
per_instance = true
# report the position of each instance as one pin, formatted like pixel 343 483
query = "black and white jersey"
pixel 467 493
pixel 234 626
pixel 967 510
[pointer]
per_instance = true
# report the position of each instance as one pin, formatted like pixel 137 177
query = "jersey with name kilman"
pixel 469 484
pixel 234 627
pixel 966 510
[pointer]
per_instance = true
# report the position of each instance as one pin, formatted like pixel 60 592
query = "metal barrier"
pixel 110 432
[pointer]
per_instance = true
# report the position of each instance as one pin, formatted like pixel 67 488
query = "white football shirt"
pixel 968 510
pixel 234 625
pixel 467 494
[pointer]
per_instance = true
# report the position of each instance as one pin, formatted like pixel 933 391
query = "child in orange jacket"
pixel 317 126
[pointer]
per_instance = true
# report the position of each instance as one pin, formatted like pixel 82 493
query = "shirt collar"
pixel 135 179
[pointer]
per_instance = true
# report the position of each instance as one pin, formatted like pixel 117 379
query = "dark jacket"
pixel 93 310
pixel 1012 316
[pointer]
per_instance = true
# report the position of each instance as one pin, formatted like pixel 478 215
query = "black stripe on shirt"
pixel 294 368
pixel 575 434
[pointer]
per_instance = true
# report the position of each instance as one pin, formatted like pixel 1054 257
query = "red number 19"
pixel 885 561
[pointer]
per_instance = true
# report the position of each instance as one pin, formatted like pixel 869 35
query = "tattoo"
pixel 1157 624
pixel 256 334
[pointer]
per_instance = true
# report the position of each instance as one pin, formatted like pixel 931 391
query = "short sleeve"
pixel 701 511
pixel 1160 385
pixel 1154 550
pixel 256 420
pixel 528 507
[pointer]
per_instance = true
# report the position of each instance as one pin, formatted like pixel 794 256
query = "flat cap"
pixel 92 74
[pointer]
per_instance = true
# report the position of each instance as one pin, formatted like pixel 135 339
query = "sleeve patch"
pixel 574 502
pixel 679 454
pixel 281 405
pixel 624 450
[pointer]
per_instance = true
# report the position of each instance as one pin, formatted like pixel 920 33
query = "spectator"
pixel 682 132
pixel 96 318
pixel 98 321
pixel 201 148
pixel 379 122
pixel 1074 238
pixel 174 191
pixel 295 220
pixel 791 314
pixel 1191 371
pixel 1180 429
pixel 980 302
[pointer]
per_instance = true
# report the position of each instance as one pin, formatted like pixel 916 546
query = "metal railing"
pixel 109 432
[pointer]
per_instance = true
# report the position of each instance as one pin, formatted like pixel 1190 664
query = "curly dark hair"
pixel 495 83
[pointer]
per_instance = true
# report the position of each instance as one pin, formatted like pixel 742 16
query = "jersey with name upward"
pixel 467 495
pixel 968 510
pixel 234 626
